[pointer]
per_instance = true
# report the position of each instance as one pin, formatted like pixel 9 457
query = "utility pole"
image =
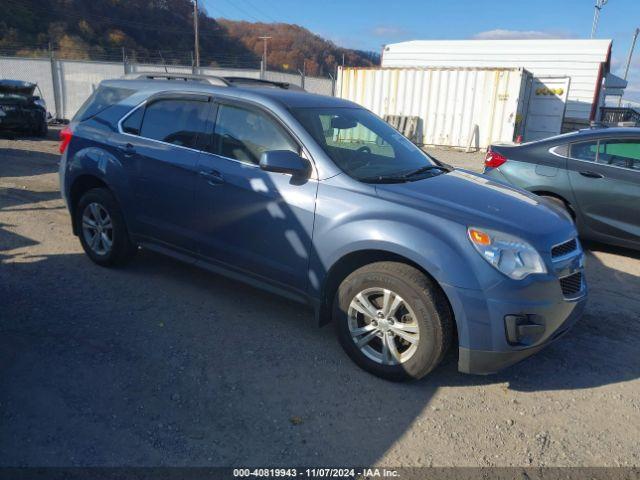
pixel 596 16
pixel 196 32
pixel 264 54
pixel 626 70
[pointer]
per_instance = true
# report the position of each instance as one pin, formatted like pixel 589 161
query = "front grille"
pixel 571 285
pixel 564 248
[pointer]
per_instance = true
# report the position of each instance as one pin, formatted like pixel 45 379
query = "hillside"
pixel 161 30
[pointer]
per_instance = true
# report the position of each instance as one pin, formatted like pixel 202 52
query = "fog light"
pixel 523 329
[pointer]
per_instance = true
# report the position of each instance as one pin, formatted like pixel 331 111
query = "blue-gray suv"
pixel 319 200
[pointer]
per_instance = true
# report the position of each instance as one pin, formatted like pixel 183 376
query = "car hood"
pixel 476 200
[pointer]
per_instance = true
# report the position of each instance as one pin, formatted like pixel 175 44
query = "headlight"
pixel 510 255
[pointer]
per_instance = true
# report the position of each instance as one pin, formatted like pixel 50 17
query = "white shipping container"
pixel 455 107
pixel 585 62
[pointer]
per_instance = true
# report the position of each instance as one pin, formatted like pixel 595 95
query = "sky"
pixel 369 24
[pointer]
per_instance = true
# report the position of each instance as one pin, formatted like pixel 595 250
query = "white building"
pixel 580 65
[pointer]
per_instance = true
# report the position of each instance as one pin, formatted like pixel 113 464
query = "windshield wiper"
pixel 405 177
pixel 427 168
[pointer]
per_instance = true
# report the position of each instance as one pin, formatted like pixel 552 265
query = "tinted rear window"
pixel 101 99
pixel 179 122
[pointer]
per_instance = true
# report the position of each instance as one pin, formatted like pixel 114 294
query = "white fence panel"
pixel 31 70
pixel 79 79
pixel 293 79
pixel 72 81
pixel 321 86
pixel 145 67
pixel 229 72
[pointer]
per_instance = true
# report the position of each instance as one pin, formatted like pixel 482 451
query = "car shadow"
pixel 52 134
pixel 24 163
pixel 162 363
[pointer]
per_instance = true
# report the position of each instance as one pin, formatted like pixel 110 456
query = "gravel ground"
pixel 160 363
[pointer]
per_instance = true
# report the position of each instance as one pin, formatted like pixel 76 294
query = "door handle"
pixel 591 174
pixel 127 149
pixel 213 177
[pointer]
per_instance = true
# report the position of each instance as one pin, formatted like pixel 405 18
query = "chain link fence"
pixel 65 84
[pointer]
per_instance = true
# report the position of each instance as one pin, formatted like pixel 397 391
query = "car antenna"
pixel 164 64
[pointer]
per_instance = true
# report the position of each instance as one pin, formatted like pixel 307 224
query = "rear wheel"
pixel 103 233
pixel 393 321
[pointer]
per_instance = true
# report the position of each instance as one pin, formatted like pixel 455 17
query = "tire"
pixel 100 203
pixel 424 309
pixel 43 131
pixel 561 204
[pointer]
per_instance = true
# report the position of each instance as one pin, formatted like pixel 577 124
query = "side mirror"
pixel 284 161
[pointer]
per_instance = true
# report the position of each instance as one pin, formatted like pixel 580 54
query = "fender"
pixel 84 160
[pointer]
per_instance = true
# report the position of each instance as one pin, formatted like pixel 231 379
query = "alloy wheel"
pixel 383 326
pixel 97 229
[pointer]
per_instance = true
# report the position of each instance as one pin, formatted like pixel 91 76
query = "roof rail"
pixel 257 82
pixel 184 77
pixel 212 80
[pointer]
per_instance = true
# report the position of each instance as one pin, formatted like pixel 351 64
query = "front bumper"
pixel 484 319
pixel 484 362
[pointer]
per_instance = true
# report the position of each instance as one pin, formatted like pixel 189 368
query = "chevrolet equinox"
pixel 318 199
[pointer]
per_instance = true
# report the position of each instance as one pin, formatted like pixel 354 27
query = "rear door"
pixel 159 143
pixel 605 178
pixel 250 220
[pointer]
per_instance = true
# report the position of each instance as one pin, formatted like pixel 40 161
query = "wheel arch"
pixel 547 193
pixel 359 258
pixel 82 184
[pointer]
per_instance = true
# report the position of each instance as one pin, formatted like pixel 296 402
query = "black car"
pixel 20 109
pixel 593 174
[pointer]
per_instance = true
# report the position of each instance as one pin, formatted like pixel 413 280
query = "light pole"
pixel 596 16
pixel 196 39
pixel 626 70
pixel 264 55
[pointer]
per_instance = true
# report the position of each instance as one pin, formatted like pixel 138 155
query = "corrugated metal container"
pixel 454 106
pixel 581 60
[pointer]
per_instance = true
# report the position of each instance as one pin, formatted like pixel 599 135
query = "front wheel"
pixel 393 321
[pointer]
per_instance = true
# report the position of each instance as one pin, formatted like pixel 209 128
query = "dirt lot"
pixel 160 363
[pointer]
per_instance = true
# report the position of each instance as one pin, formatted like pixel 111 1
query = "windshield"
pixel 364 146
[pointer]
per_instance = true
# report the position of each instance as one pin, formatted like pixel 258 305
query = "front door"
pixel 605 178
pixel 256 222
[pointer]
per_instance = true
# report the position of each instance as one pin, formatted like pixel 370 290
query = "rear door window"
pixel 178 122
pixel 101 99
pixel 620 153
pixel 587 151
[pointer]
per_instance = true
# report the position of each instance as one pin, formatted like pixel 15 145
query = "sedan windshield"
pixel 365 147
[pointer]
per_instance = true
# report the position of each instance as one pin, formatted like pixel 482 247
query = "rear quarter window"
pixel 586 151
pixel 100 100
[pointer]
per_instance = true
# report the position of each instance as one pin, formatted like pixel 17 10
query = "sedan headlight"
pixel 509 254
